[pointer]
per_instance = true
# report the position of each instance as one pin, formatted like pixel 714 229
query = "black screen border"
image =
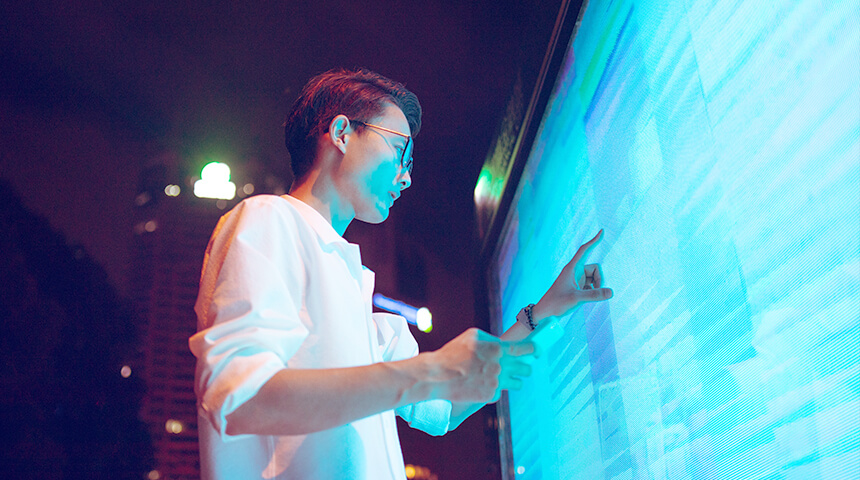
pixel 526 120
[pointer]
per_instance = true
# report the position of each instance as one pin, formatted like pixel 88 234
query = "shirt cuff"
pixel 238 383
pixel 431 416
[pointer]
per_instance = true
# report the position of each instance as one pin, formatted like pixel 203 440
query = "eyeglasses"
pixel 406 154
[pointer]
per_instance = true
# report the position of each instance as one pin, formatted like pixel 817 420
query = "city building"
pixel 172 226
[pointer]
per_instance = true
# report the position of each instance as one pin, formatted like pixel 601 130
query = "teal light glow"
pixel 490 186
pixel 718 144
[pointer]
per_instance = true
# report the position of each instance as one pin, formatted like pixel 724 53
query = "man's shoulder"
pixel 265 201
pixel 284 215
pixel 267 212
pixel 266 205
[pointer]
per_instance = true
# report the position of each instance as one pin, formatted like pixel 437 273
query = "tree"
pixel 67 410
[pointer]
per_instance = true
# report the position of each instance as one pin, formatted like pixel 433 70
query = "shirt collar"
pixel 315 220
pixel 330 236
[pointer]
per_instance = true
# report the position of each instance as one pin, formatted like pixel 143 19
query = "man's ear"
pixel 339 131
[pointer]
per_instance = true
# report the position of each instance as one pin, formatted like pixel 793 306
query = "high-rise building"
pixel 172 228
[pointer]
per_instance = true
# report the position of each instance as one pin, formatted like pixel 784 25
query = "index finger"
pixel 518 348
pixel 586 248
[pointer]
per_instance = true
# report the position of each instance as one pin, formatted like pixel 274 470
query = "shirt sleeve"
pixel 248 307
pixel 397 343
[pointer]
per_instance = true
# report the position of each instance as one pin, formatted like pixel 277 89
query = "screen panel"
pixel 718 145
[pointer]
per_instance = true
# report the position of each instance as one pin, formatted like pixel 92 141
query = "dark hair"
pixel 359 94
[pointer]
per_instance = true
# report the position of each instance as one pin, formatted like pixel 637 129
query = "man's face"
pixel 370 176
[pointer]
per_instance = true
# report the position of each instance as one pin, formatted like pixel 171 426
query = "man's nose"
pixel 405 180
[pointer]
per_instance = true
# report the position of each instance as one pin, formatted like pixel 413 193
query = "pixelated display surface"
pixel 717 142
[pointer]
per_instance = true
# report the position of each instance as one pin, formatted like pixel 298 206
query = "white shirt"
pixel 281 289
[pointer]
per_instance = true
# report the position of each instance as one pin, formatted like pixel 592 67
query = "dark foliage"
pixel 65 412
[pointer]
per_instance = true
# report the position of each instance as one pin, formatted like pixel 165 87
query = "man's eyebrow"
pixel 394 139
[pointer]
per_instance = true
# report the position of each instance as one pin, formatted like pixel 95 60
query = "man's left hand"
pixel 577 283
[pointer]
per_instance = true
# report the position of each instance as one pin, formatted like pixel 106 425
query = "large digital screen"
pixel 717 142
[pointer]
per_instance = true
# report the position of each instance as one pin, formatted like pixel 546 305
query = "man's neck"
pixel 320 195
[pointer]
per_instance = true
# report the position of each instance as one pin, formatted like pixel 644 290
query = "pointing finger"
pixel 587 247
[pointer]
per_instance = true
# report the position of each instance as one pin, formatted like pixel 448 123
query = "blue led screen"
pixel 718 144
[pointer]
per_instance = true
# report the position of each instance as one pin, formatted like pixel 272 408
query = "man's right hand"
pixel 475 367
pixel 471 370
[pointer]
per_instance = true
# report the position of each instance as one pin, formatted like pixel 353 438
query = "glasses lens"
pixel 406 159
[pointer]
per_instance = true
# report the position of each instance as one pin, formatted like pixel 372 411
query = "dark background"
pixel 92 90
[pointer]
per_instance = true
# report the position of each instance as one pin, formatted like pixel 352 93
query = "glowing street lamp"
pixel 215 182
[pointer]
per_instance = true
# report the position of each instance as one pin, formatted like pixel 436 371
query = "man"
pixel 296 377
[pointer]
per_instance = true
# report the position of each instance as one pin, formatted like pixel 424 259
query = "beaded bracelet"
pixel 529 319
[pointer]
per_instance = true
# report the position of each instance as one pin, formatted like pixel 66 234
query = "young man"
pixel 296 377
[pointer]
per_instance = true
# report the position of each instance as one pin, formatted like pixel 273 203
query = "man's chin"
pixel 375 217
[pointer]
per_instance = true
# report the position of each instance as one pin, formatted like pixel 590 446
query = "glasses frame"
pixel 405 164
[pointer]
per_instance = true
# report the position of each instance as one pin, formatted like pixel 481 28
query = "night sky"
pixel 91 90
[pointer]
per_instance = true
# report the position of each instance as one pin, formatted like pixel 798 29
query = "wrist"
pixel 541 312
pixel 420 374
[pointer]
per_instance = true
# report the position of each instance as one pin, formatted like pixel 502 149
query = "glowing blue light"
pixel 420 317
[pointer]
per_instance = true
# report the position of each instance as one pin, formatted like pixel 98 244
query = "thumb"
pixel 595 295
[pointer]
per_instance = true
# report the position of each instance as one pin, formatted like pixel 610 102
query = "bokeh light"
pixel 173 426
